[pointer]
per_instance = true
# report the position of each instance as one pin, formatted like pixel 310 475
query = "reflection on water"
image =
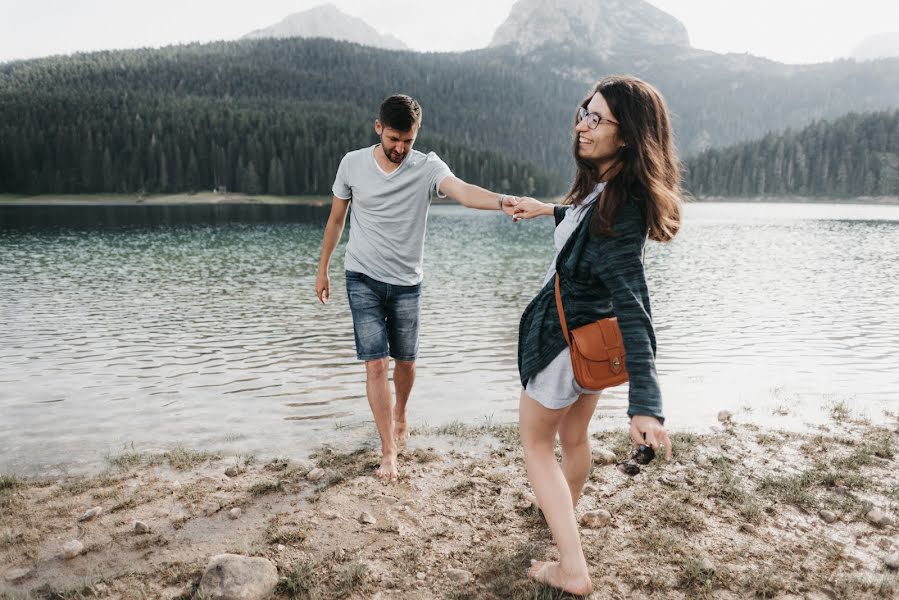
pixel 212 337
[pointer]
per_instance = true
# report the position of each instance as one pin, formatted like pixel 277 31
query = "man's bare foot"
pixel 551 574
pixel 400 432
pixel 387 471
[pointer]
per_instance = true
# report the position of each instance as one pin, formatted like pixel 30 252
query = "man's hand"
pixel 323 287
pixel 528 208
pixel 509 204
pixel 648 430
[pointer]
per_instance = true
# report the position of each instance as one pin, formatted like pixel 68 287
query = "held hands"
pixel 323 287
pixel 528 208
pixel 649 431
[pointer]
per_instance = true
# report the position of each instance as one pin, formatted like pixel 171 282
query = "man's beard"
pixel 392 157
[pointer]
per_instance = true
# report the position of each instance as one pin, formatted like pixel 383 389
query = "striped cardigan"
pixel 601 277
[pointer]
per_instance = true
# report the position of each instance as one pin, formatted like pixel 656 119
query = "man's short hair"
pixel 400 112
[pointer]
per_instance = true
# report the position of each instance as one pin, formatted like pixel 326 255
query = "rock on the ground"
pixel 234 513
pixel 877 517
pixel 234 577
pixel 596 519
pixel 16 575
pixel 589 489
pixel 828 517
pixel 725 416
pixel 459 575
pixel 892 562
pixel 140 527
pixel 211 508
pixel 420 576
pixel 91 514
pixel 232 471
pixel 366 517
pixel 315 474
pixel 603 456
pixel 72 548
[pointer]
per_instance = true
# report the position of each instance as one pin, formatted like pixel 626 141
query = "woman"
pixel 626 189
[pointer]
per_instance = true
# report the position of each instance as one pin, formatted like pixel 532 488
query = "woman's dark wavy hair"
pixel 649 171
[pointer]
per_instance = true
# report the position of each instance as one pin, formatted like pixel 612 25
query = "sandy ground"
pixel 739 513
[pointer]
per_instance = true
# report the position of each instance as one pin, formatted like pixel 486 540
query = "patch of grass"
pixel 503 571
pixel 651 583
pixel 301 582
pixel 182 459
pixel 463 487
pixel 349 464
pixel 286 536
pixel 697 576
pixel 266 487
pixel 277 464
pixel 506 433
pixel 763 584
pixel 618 442
pixel 351 578
pixel 839 411
pixel 126 460
pixel 421 455
pixel 8 483
pixel 726 485
pixel 790 489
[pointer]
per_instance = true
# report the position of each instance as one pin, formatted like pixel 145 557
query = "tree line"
pixel 856 155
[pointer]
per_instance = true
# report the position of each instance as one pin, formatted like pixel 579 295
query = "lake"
pixel 146 337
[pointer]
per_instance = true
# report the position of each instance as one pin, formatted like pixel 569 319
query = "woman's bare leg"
pixel 539 426
pixel 577 459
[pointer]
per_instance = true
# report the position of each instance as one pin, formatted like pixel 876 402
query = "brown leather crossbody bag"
pixel 597 350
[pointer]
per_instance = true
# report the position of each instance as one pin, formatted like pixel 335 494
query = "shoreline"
pixel 212 198
pixel 739 512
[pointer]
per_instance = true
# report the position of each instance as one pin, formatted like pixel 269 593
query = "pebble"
pixel 140 527
pixel 596 519
pixel 366 517
pixel 234 513
pixel 603 456
pixel 72 549
pixel 892 562
pixel 281 547
pixel 725 416
pixel 17 575
pixel 478 472
pixel 315 474
pixel 459 575
pixel 211 508
pixel 420 576
pixel 92 513
pixel 232 471
pixel 589 489
pixel 828 517
pixel 878 517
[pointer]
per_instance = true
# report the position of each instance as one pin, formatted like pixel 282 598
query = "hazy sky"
pixel 795 31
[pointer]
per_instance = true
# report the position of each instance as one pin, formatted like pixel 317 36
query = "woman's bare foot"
pixel 551 574
pixel 387 471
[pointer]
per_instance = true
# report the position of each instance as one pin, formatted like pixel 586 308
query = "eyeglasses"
pixel 643 456
pixel 593 119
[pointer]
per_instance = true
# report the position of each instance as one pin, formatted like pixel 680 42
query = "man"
pixel 389 186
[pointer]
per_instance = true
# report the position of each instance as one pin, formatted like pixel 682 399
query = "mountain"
pixel 602 26
pixel 882 45
pixel 855 155
pixel 327 21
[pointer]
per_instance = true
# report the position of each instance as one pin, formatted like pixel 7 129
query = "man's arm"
pixel 333 231
pixel 473 196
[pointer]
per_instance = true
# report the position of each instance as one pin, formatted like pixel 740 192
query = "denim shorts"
pixel 385 317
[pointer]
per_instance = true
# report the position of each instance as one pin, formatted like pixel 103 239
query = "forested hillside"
pixel 275 116
pixel 857 155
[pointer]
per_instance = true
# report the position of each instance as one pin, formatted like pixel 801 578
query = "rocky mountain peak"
pixel 328 21
pixel 605 26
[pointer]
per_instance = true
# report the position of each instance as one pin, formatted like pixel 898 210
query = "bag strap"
pixel 561 311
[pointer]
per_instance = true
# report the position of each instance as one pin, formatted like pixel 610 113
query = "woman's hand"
pixel 528 208
pixel 649 431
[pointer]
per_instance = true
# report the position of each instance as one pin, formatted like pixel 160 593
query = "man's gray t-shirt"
pixel 389 213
